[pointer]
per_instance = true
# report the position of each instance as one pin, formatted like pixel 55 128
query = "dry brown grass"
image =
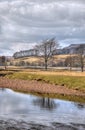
pixel 37 59
pixel 61 72
pixel 28 59
pixel 43 72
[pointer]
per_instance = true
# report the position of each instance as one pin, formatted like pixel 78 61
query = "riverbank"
pixel 71 80
pixel 42 89
pixel 55 84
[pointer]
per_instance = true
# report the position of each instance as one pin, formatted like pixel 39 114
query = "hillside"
pixel 34 60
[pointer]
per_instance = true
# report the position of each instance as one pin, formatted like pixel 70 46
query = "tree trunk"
pixel 82 69
pixel 82 63
pixel 70 62
pixel 46 64
pixel 5 67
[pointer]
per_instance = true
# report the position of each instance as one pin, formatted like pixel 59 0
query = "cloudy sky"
pixel 23 23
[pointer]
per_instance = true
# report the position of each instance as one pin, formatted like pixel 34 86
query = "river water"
pixel 29 108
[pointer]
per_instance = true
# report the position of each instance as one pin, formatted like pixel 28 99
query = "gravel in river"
pixel 21 125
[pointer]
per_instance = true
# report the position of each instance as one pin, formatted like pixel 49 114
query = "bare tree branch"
pixel 46 49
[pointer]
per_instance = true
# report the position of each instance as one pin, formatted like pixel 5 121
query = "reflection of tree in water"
pixel 79 105
pixel 2 89
pixel 45 103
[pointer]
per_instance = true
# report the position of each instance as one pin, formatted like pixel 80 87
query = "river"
pixel 52 113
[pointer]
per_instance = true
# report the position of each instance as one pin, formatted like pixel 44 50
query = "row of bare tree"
pixel 78 58
pixel 47 49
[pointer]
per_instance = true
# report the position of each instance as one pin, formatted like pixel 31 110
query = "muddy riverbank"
pixel 38 86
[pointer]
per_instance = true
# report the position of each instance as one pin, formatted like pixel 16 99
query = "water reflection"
pixel 79 105
pixel 33 108
pixel 11 103
pixel 45 103
pixel 2 89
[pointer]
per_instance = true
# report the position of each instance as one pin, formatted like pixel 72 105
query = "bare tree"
pixel 81 53
pixel 47 50
pixel 69 62
pixel 72 61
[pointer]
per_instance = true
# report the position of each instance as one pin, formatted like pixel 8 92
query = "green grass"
pixel 74 82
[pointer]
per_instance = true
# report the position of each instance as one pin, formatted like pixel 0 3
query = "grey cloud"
pixel 30 21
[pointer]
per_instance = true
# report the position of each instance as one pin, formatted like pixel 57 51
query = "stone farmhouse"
pixel 25 53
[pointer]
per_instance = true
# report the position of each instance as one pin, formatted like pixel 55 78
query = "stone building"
pixel 26 53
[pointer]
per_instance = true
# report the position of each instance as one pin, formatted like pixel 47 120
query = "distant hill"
pixel 71 49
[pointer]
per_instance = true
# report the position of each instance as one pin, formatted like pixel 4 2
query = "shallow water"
pixel 29 108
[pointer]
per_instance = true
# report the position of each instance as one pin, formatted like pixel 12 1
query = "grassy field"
pixel 64 82
pixel 73 80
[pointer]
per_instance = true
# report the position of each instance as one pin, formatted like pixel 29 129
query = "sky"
pixel 25 23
